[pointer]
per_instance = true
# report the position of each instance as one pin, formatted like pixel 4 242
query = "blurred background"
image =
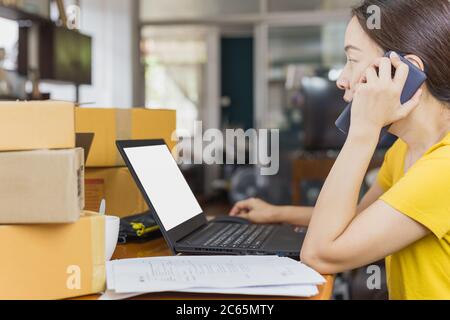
pixel 228 63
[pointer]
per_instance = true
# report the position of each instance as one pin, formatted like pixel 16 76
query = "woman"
pixel 405 216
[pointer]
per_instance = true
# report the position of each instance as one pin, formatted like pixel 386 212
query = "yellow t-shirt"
pixel 422 270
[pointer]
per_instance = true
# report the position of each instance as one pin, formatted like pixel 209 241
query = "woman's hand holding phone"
pixel 376 102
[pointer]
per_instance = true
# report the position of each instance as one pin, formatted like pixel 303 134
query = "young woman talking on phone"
pixel 405 216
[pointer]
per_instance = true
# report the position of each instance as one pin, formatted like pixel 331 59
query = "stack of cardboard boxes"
pixel 106 175
pixel 49 247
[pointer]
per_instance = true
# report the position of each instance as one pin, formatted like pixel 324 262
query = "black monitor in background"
pixel 64 55
pixel 323 105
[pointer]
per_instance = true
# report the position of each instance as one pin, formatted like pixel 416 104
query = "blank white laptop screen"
pixel 164 184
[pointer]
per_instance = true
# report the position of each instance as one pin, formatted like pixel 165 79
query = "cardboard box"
pixel 42 186
pixel 53 261
pixel 117 187
pixel 36 125
pixel 110 125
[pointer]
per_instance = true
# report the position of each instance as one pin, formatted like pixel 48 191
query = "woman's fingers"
pixel 385 69
pixel 409 106
pixel 237 208
pixel 244 216
pixel 376 63
pixel 241 206
pixel 371 74
pixel 373 69
pixel 395 60
pixel 402 70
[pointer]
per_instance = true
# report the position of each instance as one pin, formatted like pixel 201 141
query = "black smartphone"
pixel 416 78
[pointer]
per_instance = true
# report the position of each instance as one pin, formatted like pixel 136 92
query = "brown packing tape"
pixel 123 130
pixel 80 178
pixel 94 193
pixel 87 213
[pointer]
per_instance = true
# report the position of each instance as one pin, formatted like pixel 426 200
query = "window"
pixel 9 37
pixel 174 9
pixel 296 5
pixel 175 59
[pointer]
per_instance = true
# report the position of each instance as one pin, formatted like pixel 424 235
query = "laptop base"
pixel 283 241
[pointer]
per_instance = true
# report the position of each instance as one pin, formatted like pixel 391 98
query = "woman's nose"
pixel 342 83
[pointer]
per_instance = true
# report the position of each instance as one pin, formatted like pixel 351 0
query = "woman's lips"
pixel 347 98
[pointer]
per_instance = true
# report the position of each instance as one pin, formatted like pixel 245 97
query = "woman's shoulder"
pixel 397 150
pixel 440 150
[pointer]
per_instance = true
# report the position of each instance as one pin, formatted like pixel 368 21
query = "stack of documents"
pixel 239 275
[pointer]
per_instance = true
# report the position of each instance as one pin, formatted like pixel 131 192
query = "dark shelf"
pixel 13 13
pixel 45 96
pixel 9 98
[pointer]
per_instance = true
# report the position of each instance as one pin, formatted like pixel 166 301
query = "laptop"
pixel 181 219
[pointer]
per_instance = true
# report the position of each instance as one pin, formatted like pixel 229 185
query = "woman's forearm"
pixel 297 216
pixel 301 216
pixel 337 203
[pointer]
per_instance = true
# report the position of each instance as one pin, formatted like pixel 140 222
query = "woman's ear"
pixel 416 61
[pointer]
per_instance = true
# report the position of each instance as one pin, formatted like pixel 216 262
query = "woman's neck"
pixel 428 124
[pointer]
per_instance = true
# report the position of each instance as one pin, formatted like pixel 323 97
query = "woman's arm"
pixel 374 193
pixel 259 211
pixel 337 238
pixel 297 216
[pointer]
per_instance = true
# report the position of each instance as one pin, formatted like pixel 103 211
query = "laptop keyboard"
pixel 235 236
